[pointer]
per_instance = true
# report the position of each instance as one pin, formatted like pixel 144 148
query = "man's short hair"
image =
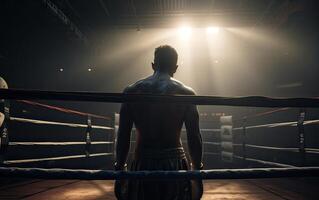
pixel 165 58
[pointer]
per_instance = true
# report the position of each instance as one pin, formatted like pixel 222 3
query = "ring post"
pixel 226 131
pixel 244 140
pixel 116 127
pixel 301 133
pixel 4 123
pixel 88 136
pixel 4 137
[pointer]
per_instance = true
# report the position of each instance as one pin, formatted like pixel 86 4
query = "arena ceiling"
pixel 157 13
pixel 101 14
pixel 86 17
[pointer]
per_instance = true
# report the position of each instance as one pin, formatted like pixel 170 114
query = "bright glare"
pixel 212 30
pixel 185 32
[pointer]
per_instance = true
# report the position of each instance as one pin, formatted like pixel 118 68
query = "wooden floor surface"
pixel 263 189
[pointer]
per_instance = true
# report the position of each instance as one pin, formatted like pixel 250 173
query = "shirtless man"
pixel 158 135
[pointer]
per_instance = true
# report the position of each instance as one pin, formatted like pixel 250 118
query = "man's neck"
pixel 159 74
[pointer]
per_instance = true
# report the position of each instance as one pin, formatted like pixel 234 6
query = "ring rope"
pixel 202 130
pixel 311 149
pixel 211 143
pixel 39 173
pixel 262 114
pixel 281 124
pixel 207 130
pixel 8 162
pixel 252 101
pixel 34 121
pixel 314 152
pixel 65 110
pixel 54 143
pixel 311 122
pixel 185 141
pixel 292 149
pixel 264 162
pixel 272 125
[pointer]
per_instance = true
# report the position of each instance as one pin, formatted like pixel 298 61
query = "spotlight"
pixel 212 30
pixel 216 61
pixel 61 69
pixel 89 69
pixel 185 32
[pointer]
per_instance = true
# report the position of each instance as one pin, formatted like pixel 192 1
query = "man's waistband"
pixel 169 153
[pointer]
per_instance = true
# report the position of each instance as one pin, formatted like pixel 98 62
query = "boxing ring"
pixel 276 170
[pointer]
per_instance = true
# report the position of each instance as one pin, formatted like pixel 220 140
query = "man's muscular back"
pixel 158 125
pixel 158 128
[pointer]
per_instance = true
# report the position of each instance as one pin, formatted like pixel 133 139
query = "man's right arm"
pixel 194 138
pixel 123 136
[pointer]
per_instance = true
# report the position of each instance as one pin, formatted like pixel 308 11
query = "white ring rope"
pixel 311 149
pixel 71 157
pixel 265 162
pixel 202 130
pixel 206 130
pixel 58 123
pixel 54 143
pixel 185 141
pixel 291 149
pixel 211 143
pixel 273 125
pixel 210 130
pixel 274 148
pixel 316 121
pixel 8 162
pixel 314 152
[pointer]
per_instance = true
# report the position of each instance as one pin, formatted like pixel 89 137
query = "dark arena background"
pixel 226 48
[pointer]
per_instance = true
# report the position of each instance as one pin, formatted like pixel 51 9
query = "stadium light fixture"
pixel 185 32
pixel 212 30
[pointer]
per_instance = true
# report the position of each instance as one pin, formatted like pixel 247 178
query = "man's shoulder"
pixel 184 89
pixel 147 84
pixel 135 87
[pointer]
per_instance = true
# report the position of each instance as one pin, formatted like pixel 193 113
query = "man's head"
pixel 165 59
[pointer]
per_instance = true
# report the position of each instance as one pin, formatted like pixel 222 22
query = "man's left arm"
pixel 123 137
